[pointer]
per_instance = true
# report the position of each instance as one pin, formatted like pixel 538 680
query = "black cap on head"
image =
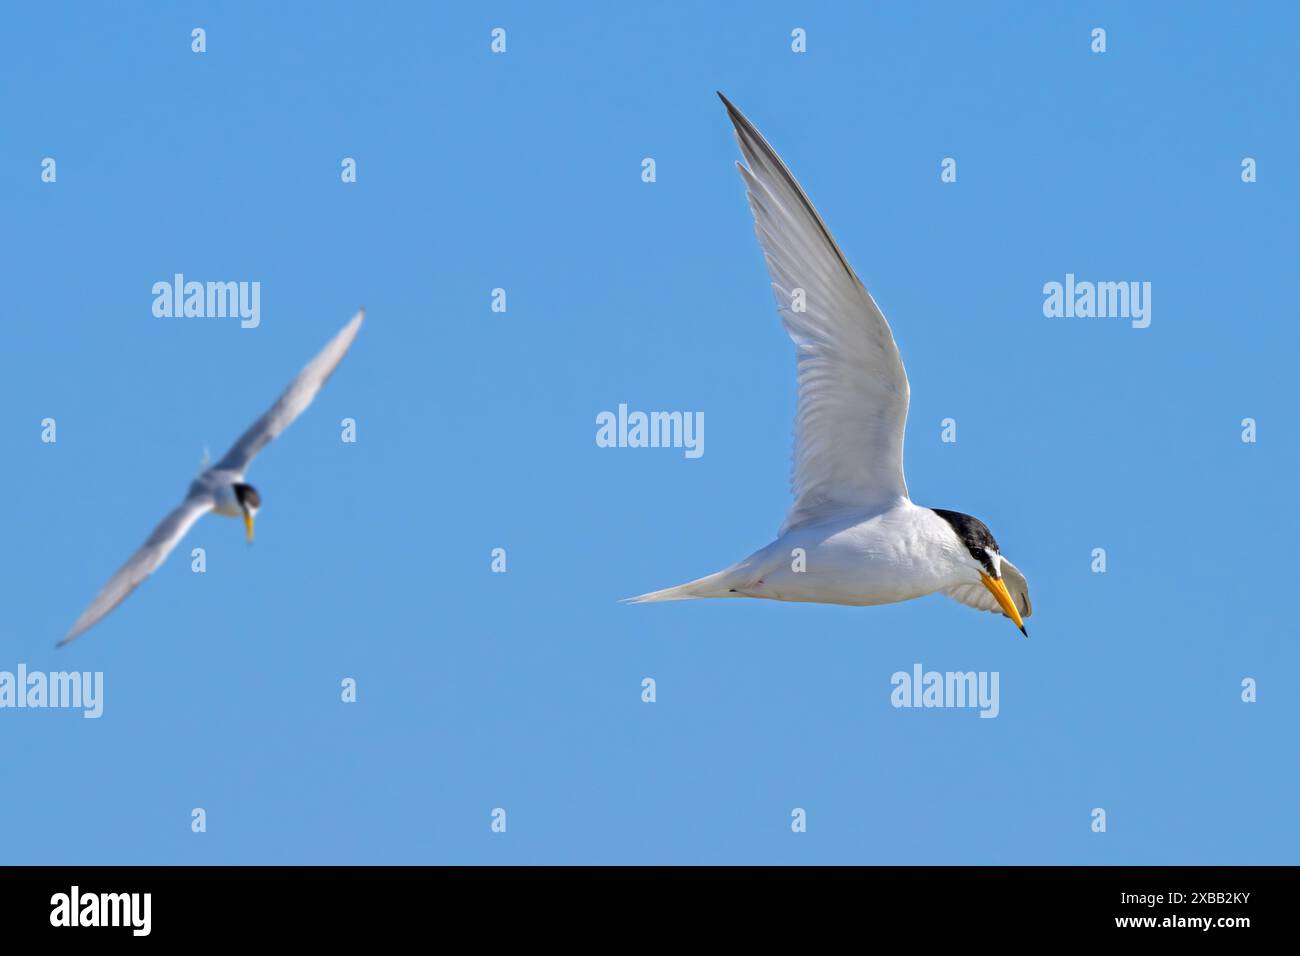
pixel 974 534
pixel 247 497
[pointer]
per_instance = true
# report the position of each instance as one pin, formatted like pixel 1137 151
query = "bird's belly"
pixel 862 565
pixel 866 584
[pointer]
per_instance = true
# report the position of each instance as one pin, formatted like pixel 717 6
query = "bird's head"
pixel 249 501
pixel 979 554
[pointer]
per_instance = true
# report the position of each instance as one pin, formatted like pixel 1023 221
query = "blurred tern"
pixel 221 488
pixel 852 535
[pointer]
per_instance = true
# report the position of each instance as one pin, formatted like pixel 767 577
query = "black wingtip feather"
pixel 751 140
pixel 737 117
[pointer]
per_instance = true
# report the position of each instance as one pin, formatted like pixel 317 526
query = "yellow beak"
pixel 999 591
pixel 248 526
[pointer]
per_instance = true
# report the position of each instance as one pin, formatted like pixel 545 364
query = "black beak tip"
pixel 1023 631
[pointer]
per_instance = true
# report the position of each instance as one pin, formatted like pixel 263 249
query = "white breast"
pixel 219 483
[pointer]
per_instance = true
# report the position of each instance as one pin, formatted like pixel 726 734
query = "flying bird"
pixel 221 488
pixel 852 536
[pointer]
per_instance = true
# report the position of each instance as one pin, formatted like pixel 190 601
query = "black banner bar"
pixel 209 904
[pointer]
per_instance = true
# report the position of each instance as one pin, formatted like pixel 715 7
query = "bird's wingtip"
pixel 77 629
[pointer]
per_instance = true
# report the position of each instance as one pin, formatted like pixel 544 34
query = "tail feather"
pixel 709 586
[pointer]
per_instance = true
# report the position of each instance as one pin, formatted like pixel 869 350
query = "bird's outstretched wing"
pixel 143 563
pixel 300 393
pixel 853 392
pixel 980 598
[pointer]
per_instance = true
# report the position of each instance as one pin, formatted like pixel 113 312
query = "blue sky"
pixel 476 431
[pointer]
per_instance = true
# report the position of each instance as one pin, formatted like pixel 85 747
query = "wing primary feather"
pixel 752 143
pixel 143 563
pixel 294 400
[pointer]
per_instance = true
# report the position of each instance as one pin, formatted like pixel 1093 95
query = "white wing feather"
pixel 300 393
pixel 853 391
pixel 143 563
